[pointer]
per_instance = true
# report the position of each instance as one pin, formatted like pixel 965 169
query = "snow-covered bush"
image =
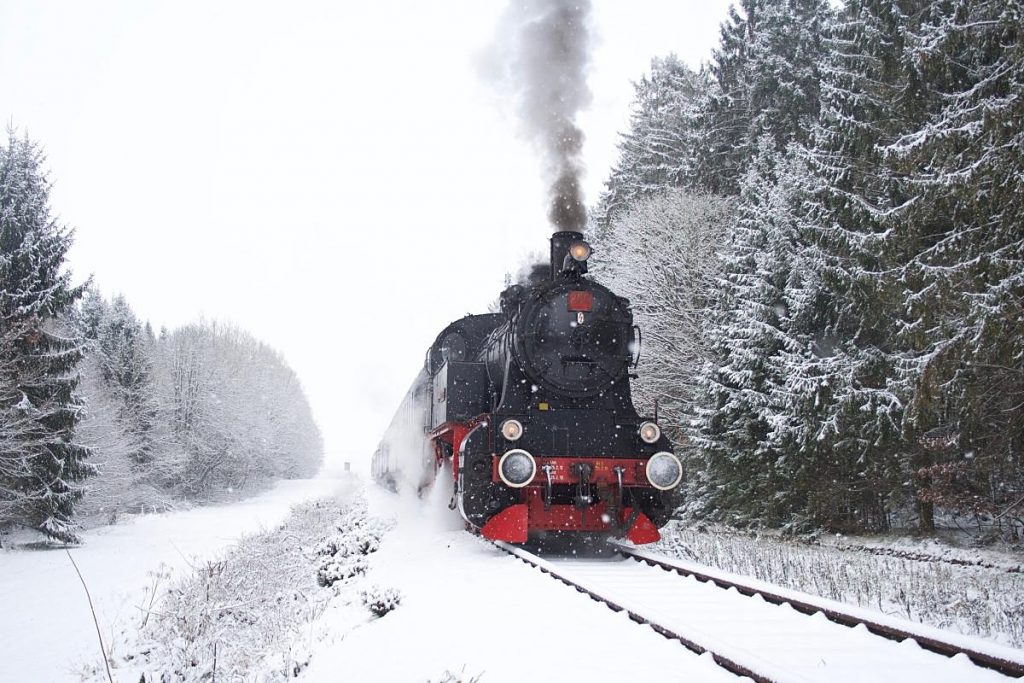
pixel 247 615
pixel 343 557
pixel 460 677
pixel 334 570
pixel 380 600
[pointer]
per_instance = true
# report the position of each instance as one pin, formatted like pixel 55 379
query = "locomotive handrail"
pixel 639 345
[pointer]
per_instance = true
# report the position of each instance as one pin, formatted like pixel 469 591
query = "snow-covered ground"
pixel 466 610
pixel 46 629
pixel 973 591
pixel 469 608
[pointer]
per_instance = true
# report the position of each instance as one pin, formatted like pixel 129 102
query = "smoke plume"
pixel 543 60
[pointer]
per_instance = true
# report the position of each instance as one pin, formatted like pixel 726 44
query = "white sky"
pixel 332 176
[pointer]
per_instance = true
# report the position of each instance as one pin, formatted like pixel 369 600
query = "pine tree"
pixel 89 314
pixel 963 320
pixel 849 393
pixel 749 460
pixel 783 72
pixel 125 357
pixel 38 405
pixel 729 108
pixel 663 146
pixel 732 429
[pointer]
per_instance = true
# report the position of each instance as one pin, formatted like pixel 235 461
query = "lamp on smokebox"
pixel 580 251
pixel 576 257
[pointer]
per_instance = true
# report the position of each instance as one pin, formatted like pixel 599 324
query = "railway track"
pixel 769 634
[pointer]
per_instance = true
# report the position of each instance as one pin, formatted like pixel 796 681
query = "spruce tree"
pixel 125 357
pixel 749 459
pixel 89 314
pixel 663 146
pixel 783 64
pixel 733 431
pixel 38 405
pixel 963 317
pixel 849 393
pixel 729 108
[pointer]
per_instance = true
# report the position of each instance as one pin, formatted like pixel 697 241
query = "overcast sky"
pixel 335 177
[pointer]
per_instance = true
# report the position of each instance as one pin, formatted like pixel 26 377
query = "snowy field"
pixel 466 610
pixel 46 629
pixel 292 601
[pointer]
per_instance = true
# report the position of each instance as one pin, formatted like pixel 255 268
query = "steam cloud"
pixel 545 57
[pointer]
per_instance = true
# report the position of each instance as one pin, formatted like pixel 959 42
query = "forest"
pixel 821 231
pixel 100 415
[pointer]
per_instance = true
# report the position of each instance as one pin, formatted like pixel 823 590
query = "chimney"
pixel 560 242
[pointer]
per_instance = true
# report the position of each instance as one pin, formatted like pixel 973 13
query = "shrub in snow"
pixel 369 544
pixel 343 555
pixel 248 615
pixel 460 677
pixel 381 600
pixel 334 570
pixel 325 548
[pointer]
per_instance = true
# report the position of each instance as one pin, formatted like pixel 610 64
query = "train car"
pixel 530 412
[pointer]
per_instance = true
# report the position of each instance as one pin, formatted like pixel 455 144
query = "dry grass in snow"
pixel 250 615
pixel 972 599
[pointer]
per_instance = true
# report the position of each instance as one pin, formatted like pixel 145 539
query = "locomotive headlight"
pixel 664 471
pixel 512 429
pixel 580 251
pixel 517 468
pixel 650 432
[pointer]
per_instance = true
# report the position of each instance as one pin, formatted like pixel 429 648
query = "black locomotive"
pixel 532 409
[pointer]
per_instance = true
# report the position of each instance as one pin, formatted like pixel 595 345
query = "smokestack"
pixel 546 52
pixel 560 243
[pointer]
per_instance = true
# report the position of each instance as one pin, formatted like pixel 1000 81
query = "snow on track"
pixel 1006 660
pixel 466 604
pixel 775 641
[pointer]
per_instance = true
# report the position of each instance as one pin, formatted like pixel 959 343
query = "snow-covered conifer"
pixel 848 395
pixel 42 461
pixel 663 145
pixel 748 464
pixel 125 356
pixel 963 303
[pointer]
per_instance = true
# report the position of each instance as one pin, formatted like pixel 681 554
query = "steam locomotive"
pixel 530 411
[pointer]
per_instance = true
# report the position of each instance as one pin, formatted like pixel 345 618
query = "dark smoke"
pixel 546 45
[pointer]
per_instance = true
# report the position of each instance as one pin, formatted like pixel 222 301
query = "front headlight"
pixel 580 251
pixel 512 429
pixel 650 432
pixel 664 471
pixel 517 468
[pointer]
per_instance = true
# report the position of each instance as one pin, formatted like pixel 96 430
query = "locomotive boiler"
pixel 530 412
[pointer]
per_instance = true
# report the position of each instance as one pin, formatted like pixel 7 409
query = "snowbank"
pixel 46 630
